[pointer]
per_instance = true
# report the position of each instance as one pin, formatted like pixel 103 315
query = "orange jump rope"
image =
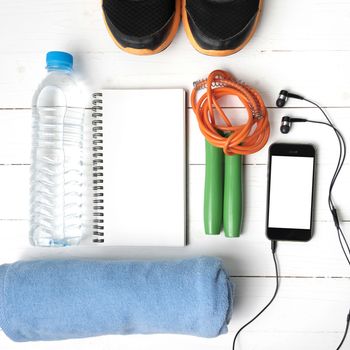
pixel 225 144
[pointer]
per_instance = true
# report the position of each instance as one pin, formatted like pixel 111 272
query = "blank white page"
pixel 144 167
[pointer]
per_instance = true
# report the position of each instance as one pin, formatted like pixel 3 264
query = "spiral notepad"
pixel 139 167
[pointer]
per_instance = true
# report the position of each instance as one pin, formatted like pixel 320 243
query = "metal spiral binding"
pixel 97 170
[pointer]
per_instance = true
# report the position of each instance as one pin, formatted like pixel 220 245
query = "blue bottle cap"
pixel 59 60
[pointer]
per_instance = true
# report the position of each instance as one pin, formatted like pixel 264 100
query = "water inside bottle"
pixel 57 171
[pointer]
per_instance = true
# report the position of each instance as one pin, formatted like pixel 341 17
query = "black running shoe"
pixel 220 27
pixel 142 27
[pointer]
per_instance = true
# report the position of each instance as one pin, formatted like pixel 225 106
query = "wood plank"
pixel 255 180
pixel 253 340
pixel 14 189
pixel 297 320
pixel 266 71
pixel 302 308
pixel 248 255
pixel 16 180
pixel 15 134
pixel 78 24
pixel 322 137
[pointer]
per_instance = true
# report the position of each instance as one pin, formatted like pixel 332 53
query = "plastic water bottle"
pixel 57 156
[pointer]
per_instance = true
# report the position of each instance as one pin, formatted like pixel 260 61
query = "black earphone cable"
pixel 274 256
pixel 341 159
pixel 341 236
pixel 342 146
pixel 345 332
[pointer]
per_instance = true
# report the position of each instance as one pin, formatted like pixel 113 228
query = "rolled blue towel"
pixel 62 299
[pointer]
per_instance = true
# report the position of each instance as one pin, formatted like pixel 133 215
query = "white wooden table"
pixel 300 45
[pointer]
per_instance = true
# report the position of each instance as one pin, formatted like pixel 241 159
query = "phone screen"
pixel 291 192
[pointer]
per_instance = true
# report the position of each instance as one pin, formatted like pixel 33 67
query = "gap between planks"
pixel 190 108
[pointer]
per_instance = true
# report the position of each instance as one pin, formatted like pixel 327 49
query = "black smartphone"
pixel 290 192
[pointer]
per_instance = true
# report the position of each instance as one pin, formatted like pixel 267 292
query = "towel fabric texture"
pixel 62 299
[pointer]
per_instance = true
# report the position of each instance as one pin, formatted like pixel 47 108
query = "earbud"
pixel 283 97
pixel 286 123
